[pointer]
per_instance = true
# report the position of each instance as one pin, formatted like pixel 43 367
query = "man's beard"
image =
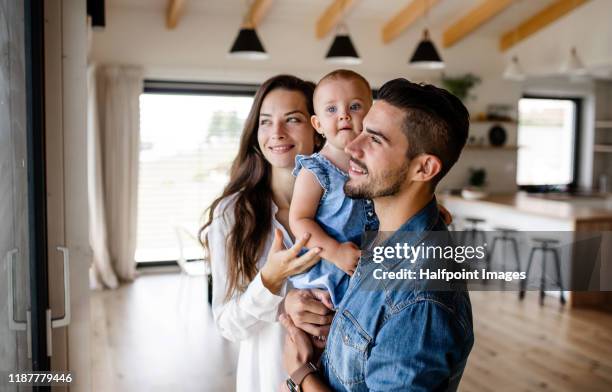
pixel 388 183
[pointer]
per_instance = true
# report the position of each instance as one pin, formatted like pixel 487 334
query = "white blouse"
pixel 251 317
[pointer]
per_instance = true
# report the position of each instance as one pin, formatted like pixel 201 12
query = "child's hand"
pixel 346 257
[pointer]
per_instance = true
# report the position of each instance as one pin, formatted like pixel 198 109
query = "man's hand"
pixel 298 348
pixel 310 310
pixel 346 257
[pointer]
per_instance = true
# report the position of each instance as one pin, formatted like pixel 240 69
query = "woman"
pixel 249 221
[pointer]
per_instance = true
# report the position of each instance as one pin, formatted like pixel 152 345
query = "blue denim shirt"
pixel 387 339
pixel 342 218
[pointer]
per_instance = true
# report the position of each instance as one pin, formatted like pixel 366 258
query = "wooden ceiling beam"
pixel 332 16
pixel 174 11
pixel 259 9
pixel 405 18
pixel 472 20
pixel 537 22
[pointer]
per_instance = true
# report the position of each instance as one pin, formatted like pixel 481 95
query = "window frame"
pixel 155 86
pixel 573 185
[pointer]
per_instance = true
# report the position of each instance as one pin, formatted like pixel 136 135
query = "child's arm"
pixel 306 196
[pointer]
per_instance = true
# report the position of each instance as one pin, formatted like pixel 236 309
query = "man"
pixel 384 336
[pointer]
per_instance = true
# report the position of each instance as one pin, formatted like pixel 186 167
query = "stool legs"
pixel 543 277
pixel 492 251
pixel 557 262
pixel 490 256
pixel 559 280
pixel 516 254
pixel 524 281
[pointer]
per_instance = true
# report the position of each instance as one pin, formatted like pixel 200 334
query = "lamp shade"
pixel 514 71
pixel 343 51
pixel 574 65
pixel 247 45
pixel 426 54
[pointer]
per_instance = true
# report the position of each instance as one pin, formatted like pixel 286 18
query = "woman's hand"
pixel 283 263
pixel 311 310
pixel 445 214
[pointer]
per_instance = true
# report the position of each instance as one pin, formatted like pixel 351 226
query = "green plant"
pixel 460 85
pixel 477 177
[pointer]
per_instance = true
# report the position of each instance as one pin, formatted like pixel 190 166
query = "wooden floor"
pixel 154 336
pixel 157 334
pixel 521 346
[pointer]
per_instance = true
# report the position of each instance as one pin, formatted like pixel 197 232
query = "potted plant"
pixel 461 85
pixel 475 189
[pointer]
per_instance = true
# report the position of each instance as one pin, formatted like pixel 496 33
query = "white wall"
pixel 197 50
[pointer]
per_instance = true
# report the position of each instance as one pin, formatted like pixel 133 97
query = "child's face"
pixel 340 106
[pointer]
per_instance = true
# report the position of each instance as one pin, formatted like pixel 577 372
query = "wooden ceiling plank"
pixel 537 22
pixel 405 18
pixel 476 17
pixel 259 9
pixel 174 11
pixel 332 16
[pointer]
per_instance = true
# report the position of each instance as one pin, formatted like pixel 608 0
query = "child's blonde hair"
pixel 344 74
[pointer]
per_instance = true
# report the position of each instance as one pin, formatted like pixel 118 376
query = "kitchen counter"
pixel 577 210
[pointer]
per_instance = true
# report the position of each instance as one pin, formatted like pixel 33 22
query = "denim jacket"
pixel 342 218
pixel 387 339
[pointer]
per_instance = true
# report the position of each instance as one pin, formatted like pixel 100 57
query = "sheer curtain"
pixel 113 149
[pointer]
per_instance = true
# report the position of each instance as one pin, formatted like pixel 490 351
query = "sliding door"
pixel 22 242
pixel 44 247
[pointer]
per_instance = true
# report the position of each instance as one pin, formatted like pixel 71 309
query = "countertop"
pixel 574 209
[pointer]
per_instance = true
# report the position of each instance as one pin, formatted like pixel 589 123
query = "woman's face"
pixel 284 128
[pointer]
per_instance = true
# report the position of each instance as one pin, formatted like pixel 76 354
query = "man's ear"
pixel 316 124
pixel 428 166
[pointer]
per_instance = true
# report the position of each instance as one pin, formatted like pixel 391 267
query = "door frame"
pixel 37 225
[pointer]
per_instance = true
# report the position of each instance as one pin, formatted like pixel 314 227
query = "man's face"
pixel 378 166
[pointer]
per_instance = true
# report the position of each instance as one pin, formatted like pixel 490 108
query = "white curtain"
pixel 113 149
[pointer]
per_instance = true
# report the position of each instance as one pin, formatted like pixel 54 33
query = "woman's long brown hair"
pixel 250 181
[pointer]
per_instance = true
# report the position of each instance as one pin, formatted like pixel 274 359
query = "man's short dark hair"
pixel 436 122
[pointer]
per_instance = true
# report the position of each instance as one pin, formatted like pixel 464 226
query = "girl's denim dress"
pixel 342 218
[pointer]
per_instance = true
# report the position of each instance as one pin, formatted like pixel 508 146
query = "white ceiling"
pixel 443 14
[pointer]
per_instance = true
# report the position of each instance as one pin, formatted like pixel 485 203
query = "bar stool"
pixel 470 236
pixel 473 231
pixel 505 237
pixel 544 245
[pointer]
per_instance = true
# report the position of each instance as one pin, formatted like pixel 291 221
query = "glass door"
pixel 22 340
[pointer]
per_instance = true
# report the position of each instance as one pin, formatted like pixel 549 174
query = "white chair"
pixel 192 269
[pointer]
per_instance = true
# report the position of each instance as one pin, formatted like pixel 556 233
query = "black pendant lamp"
pixel 247 45
pixel 342 50
pixel 426 56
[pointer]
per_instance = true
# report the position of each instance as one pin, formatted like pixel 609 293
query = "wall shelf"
pixel 487 147
pixel 603 124
pixel 602 148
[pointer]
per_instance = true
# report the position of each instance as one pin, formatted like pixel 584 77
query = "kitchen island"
pixel 550 214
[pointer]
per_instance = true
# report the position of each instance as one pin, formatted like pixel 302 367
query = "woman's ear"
pixel 428 167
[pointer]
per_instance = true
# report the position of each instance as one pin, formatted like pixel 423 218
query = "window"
pixel 187 142
pixel 547 135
